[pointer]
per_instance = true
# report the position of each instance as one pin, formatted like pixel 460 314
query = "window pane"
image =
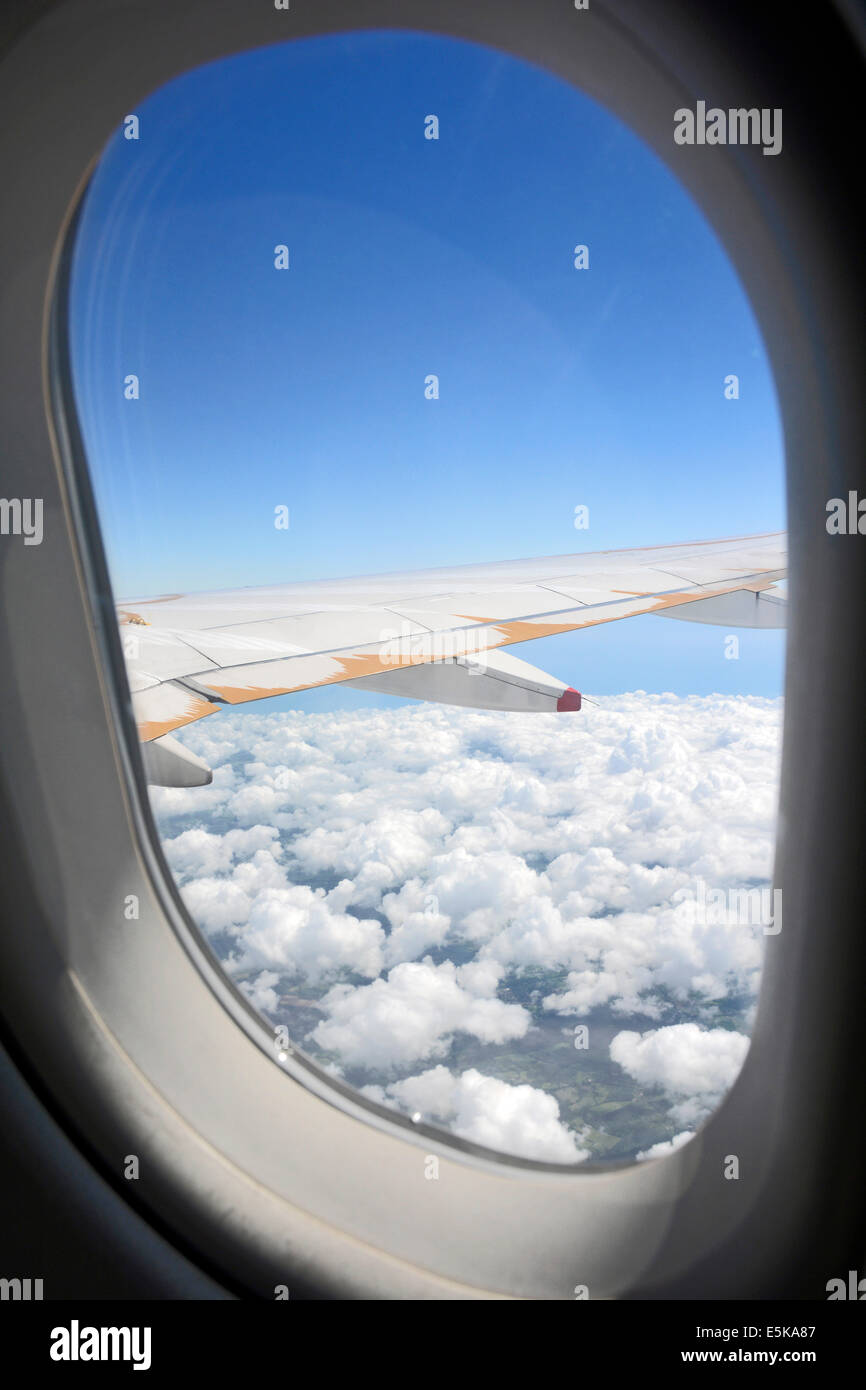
pixel 381 303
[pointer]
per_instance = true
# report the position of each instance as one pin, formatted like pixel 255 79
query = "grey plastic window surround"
pixel 134 1031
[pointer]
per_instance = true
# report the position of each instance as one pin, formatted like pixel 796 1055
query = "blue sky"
pixel 305 387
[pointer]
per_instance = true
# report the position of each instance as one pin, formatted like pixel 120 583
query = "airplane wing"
pixel 426 634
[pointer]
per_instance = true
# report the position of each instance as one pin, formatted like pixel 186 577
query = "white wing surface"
pixel 189 654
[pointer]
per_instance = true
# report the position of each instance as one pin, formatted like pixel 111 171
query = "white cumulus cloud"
pixel 694 1065
pixel 520 1120
pixel 666 1146
pixel 413 1013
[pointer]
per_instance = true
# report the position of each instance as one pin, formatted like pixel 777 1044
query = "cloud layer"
pixel 403 869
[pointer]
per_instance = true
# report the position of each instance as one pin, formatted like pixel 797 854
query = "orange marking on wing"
pixel 350 668
pixel 518 629
pixel 521 631
pixel 372 664
pixel 241 694
pixel 675 600
pixel 759 584
pixel 196 708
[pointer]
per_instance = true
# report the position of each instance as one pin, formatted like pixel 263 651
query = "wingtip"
pixel 568 700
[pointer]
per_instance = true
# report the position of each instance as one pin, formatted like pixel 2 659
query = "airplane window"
pixel 418 397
